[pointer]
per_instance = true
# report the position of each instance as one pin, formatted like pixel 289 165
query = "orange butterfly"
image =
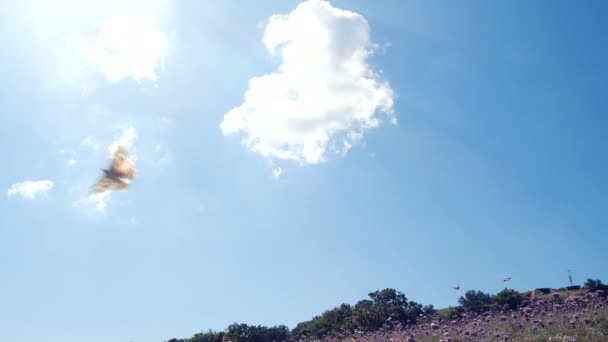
pixel 114 179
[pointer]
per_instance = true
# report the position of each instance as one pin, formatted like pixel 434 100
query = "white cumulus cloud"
pixel 30 189
pixel 324 94
pixel 125 47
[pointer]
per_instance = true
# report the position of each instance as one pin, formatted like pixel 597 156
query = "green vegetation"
pixel 241 333
pixel 475 301
pixel 595 285
pixel 386 307
pixel 508 298
pixel 390 310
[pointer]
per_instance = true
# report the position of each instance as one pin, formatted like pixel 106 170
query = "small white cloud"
pixel 164 121
pixel 91 142
pixel 324 94
pixel 277 172
pixel 71 162
pixel 163 161
pixel 67 152
pixel 164 155
pixel 126 138
pixel 125 47
pixel 30 189
pixel 99 201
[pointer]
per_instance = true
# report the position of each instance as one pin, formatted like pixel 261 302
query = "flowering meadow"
pixel 559 316
pixel 543 315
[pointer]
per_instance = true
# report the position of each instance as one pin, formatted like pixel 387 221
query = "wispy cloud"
pixel 125 138
pixel 324 94
pixel 277 172
pixel 72 162
pixel 164 156
pixel 98 201
pixel 30 189
pixel 91 142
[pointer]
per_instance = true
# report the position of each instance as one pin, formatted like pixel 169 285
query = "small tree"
pixel 366 317
pixel 594 285
pixel 251 333
pixel 428 309
pixel 508 297
pixel 452 312
pixel 475 301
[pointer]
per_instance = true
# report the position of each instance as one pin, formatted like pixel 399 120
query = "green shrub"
pixel 508 297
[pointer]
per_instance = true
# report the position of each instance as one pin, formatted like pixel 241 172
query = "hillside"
pixel 564 314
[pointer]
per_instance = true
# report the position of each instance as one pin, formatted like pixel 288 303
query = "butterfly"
pixel 507 279
pixel 121 169
pixel 456 288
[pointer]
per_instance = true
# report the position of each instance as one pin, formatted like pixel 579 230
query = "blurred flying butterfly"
pixel 507 279
pixel 456 287
pixel 121 169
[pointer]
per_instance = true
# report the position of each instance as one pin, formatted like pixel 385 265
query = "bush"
pixel 386 307
pixel 475 301
pixel 251 333
pixel 508 297
pixel 331 322
pixel 429 309
pixel 452 312
pixel 594 285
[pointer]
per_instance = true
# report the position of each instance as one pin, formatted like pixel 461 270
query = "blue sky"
pixel 308 196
